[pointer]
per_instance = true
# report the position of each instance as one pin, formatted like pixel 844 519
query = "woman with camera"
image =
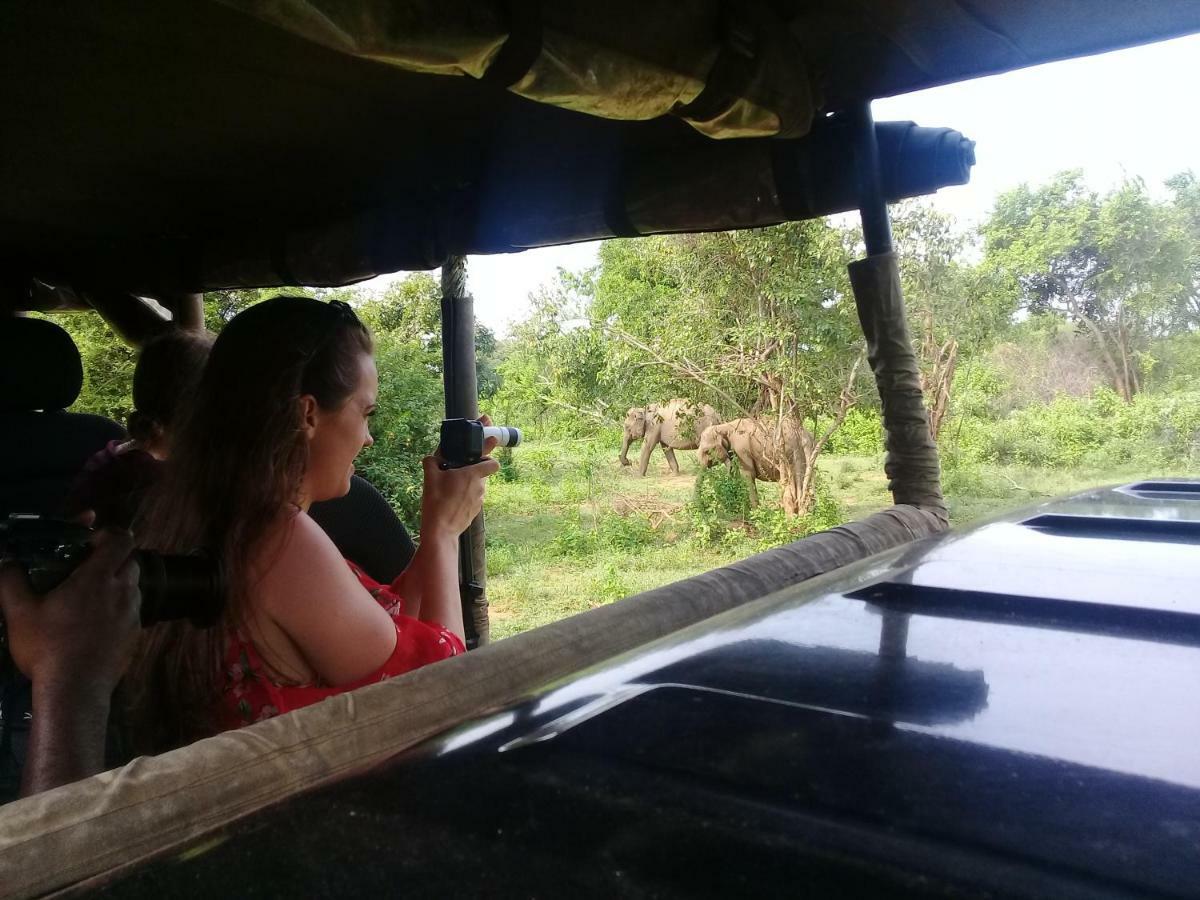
pixel 281 412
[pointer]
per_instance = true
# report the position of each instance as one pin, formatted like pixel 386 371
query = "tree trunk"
pixel 937 386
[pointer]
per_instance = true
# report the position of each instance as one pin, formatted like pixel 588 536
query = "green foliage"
pixel 508 468
pixel 623 534
pixel 1122 265
pixel 860 434
pixel 107 366
pixel 610 585
pixel 720 514
pixel 1153 430
pixel 501 556
pixel 720 496
pixel 405 424
pixel 611 533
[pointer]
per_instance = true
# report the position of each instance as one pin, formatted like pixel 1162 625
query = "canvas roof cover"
pixel 183 144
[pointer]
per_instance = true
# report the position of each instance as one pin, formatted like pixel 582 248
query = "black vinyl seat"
pixel 366 530
pixel 43 447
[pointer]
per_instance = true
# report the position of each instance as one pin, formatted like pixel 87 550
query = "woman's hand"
pixel 452 498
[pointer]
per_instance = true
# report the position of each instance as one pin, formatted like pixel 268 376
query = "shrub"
pixel 1153 431
pixel 609 585
pixel 508 469
pixel 501 558
pixel 860 434
pixel 574 541
pixel 623 534
pixel 720 494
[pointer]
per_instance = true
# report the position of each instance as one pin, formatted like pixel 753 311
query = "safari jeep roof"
pixel 156 145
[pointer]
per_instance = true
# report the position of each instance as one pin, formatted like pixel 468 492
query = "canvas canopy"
pixel 161 145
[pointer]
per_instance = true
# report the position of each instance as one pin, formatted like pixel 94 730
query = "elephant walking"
pixel 759 455
pixel 676 425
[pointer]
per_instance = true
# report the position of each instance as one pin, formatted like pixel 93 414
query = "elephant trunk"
pixel 628 439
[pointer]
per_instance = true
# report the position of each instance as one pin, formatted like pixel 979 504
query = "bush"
pixel 508 469
pixel 720 495
pixel 612 533
pixel 623 534
pixel 1154 430
pixel 860 434
pixel 405 424
pixel 501 558
pixel 609 585
pixel 540 461
pixel 574 541
pixel 720 514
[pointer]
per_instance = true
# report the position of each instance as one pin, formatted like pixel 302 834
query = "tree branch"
pixel 845 401
pixel 688 369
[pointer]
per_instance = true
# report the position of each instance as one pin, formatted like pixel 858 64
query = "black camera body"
pixel 463 439
pixel 172 587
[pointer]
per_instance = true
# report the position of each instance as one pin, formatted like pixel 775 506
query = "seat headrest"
pixel 40 366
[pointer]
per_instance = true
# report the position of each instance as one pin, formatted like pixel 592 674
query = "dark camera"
pixel 172 587
pixel 462 440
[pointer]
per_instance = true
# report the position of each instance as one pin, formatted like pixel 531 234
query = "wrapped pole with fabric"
pixel 911 464
pixel 462 402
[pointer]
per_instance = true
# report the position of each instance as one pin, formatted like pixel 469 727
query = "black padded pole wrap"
pixel 462 402
pixel 911 464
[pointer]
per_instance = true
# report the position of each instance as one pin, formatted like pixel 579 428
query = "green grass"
pixel 575 530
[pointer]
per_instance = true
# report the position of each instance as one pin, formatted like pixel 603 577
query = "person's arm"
pixel 451 499
pixel 67 735
pixel 74 644
pixel 337 631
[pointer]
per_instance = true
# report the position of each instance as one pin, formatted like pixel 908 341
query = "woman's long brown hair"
pixel 237 463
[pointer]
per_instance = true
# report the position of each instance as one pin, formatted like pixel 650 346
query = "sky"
pixel 1131 112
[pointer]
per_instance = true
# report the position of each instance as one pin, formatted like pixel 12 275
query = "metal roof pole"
pixel 462 402
pixel 911 463
pixel 187 310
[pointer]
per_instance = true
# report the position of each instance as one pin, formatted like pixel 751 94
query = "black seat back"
pixel 366 530
pixel 43 448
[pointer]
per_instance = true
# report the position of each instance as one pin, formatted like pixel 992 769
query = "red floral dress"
pixel 251 695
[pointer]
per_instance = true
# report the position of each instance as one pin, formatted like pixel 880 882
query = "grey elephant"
pixel 676 425
pixel 753 442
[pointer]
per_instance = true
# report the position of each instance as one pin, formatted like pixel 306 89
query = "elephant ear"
pixel 725 441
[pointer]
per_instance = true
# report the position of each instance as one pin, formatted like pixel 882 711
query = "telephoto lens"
pixel 505 435
pixel 172 587
pixel 463 439
pixel 180 587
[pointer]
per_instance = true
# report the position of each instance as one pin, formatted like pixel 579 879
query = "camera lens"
pixel 180 587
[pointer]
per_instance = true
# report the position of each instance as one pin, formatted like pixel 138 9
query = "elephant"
pixel 754 444
pixel 676 425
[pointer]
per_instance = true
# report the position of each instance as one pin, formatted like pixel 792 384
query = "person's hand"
pixel 85 628
pixel 452 498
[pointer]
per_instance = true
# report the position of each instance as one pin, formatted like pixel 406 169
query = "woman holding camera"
pixel 281 412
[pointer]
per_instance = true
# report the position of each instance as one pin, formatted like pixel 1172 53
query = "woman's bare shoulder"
pixel 298 561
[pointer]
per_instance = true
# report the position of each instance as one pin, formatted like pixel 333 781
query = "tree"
pixel 1119 265
pixel 955 308
pixel 551 365
pixel 107 366
pixel 758 323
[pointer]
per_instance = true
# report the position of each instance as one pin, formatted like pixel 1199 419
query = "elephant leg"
pixel 625 449
pixel 648 445
pixel 752 489
pixel 671 461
